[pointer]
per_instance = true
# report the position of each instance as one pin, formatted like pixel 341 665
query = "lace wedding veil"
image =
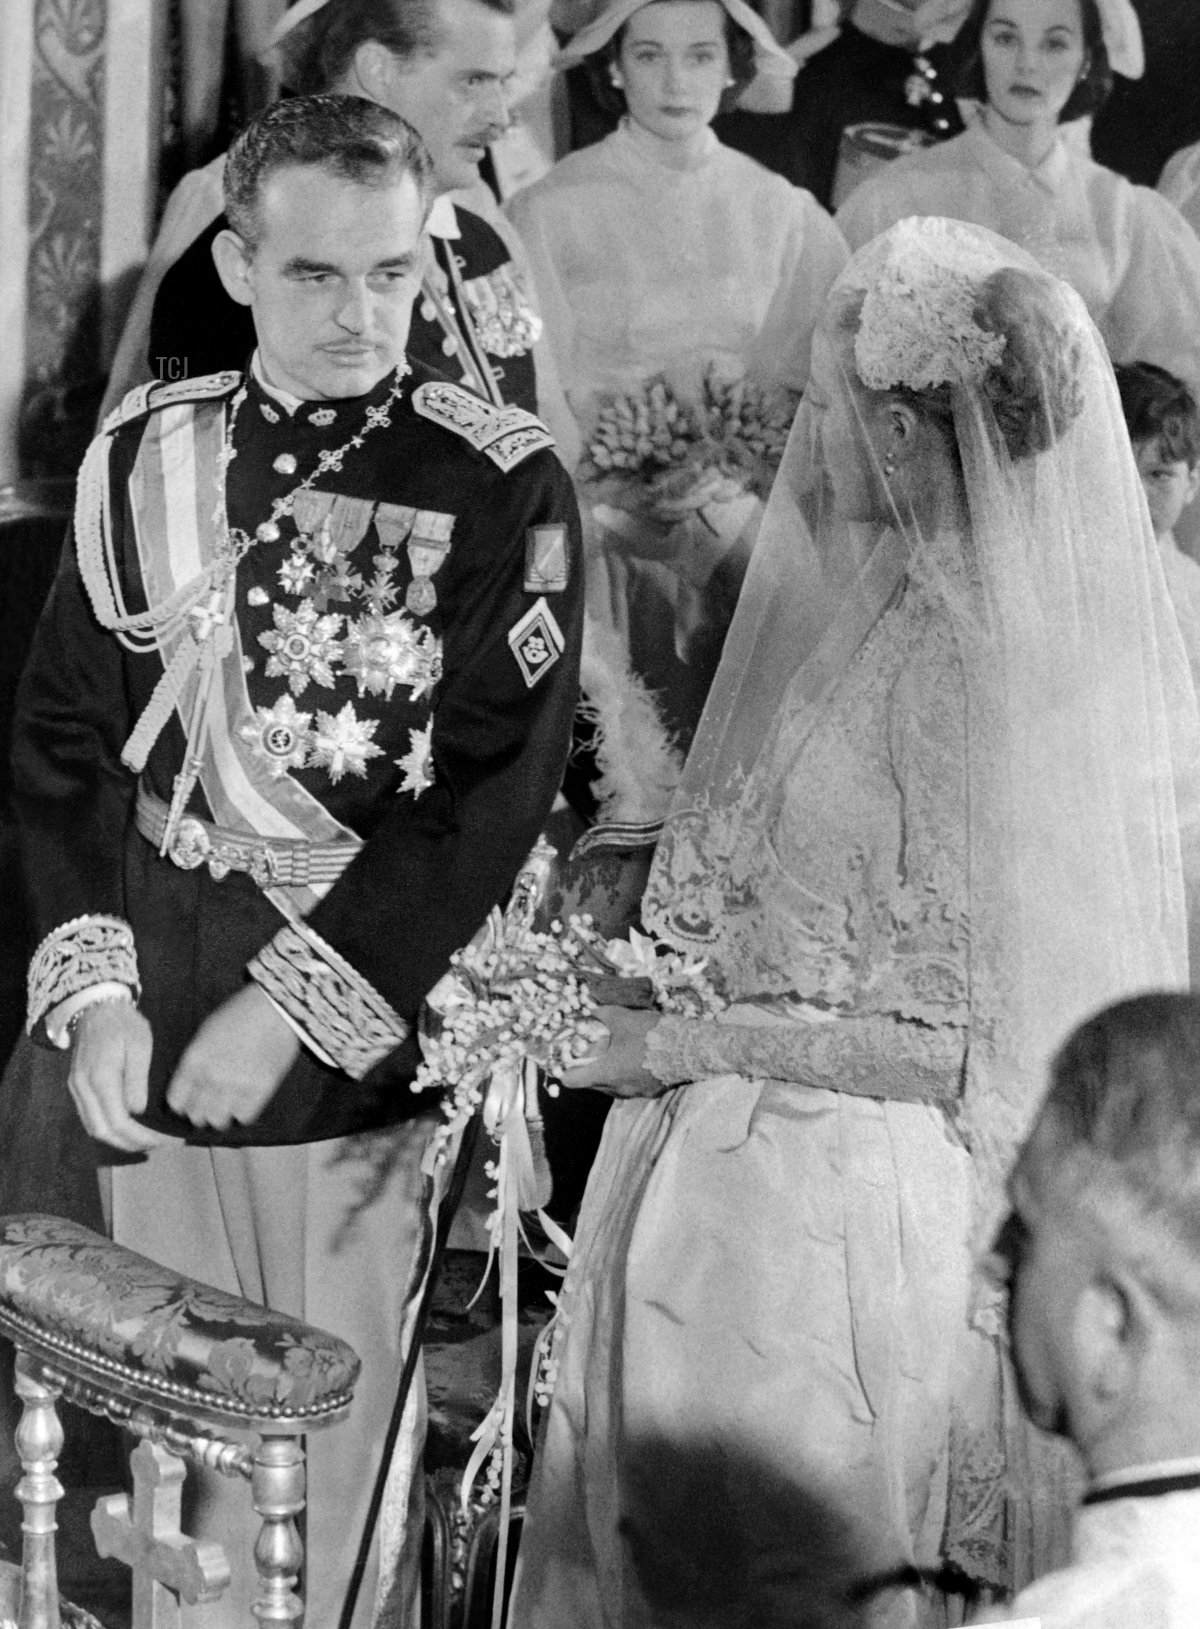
pixel 1083 739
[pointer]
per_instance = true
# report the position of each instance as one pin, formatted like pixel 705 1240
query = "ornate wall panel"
pixel 16 69
pixel 65 192
pixel 80 126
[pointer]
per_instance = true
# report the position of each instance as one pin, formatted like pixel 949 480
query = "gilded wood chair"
pixel 197 1376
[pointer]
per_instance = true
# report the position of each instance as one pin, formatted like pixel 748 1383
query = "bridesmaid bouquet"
pixel 670 455
pixel 750 425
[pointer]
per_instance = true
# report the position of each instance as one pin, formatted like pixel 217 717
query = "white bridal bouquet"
pixel 517 998
pixel 517 1006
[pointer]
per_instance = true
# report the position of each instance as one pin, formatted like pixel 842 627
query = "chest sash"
pixel 188 567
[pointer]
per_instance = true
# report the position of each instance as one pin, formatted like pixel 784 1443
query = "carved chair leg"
pixel 39 1439
pixel 277 1487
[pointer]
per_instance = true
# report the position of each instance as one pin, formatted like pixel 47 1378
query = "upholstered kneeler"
pixel 197 1375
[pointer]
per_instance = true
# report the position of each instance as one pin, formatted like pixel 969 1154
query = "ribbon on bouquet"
pixel 511 1117
pixel 522 1176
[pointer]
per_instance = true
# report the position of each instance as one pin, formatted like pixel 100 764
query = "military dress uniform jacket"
pixel 472 321
pixel 390 674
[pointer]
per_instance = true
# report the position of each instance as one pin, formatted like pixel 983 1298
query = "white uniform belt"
pixel 275 862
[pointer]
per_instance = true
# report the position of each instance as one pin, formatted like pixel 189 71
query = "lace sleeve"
pixel 877 1056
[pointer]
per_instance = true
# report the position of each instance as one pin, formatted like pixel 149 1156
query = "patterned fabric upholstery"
pixel 92 1309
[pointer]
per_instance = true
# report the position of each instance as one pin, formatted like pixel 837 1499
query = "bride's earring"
pixel 730 82
pixel 889 466
pixel 614 75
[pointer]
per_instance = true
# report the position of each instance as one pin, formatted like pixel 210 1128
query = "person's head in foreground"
pixel 1103 1244
pixel 326 198
pixel 1163 417
pixel 446 66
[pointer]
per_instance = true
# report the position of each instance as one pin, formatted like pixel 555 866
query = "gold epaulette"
pixel 157 393
pixel 506 435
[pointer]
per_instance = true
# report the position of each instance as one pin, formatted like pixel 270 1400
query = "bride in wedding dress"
pixel 935 812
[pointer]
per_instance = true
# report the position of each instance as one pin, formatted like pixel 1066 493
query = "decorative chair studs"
pixel 197 1375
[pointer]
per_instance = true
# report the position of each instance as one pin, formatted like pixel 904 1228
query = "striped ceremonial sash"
pixel 176 492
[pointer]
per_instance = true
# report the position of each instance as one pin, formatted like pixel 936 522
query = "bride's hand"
pixel 617 1065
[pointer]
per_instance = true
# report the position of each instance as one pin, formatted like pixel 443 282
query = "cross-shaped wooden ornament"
pixel 168 1567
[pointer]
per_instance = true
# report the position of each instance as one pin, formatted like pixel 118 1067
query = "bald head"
pixel 1103 1244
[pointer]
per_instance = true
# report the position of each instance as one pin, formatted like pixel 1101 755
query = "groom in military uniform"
pixel 296 711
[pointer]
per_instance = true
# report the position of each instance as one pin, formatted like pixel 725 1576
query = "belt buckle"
pixel 191 844
pixel 263 866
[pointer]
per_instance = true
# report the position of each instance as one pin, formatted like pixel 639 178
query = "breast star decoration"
pixel 304 646
pixel 341 743
pixel 280 735
pixel 382 651
pixel 417 762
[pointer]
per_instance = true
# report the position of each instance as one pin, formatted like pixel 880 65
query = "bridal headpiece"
pixel 918 326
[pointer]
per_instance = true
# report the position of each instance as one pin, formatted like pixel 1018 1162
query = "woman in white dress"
pixel 930 817
pixel 1034 67
pixel 661 255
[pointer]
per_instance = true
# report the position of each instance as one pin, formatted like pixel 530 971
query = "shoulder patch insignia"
pixel 157 393
pixel 546 570
pixel 536 641
pixel 506 435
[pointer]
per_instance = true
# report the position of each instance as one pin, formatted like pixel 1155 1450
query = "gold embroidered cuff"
pixel 335 1009
pixel 87 950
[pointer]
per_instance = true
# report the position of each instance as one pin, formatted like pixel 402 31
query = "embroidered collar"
pixel 286 400
pixel 1145 1481
pixel 322 413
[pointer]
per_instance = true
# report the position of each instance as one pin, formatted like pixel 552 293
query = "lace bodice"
pixel 855 900
pixel 856 897
pixel 870 843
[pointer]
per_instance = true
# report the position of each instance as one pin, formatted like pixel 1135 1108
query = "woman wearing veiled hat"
pixel 1032 68
pixel 680 283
